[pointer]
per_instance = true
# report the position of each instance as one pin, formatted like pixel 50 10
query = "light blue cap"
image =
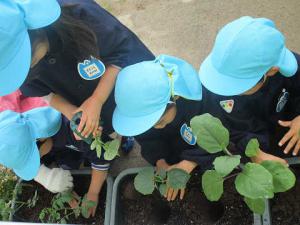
pixel 18 135
pixel 244 51
pixel 16 18
pixel 143 91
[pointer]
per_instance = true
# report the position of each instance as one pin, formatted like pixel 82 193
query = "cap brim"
pixel 31 167
pixel 42 14
pixel 15 73
pixel 288 65
pixel 221 84
pixel 132 126
pixel 45 121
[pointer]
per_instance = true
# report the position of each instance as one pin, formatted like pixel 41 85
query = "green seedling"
pixel 111 148
pixel 254 182
pixel 147 180
pixel 60 211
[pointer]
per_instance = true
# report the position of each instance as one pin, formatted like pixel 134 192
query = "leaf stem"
pixel 226 151
pixel 232 175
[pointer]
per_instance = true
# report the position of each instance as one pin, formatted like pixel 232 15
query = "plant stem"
pixel 232 175
pixel 226 151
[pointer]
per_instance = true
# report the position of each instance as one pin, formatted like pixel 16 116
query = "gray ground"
pixel 187 29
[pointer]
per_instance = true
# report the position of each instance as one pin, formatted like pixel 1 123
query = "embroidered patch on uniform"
pixel 91 69
pixel 282 100
pixel 227 105
pixel 187 135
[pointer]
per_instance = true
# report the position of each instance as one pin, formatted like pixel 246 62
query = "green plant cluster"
pixel 147 180
pixel 111 148
pixel 8 182
pixel 60 211
pixel 255 182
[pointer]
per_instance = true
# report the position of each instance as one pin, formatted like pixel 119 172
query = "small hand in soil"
pixel 74 203
pixel 171 194
pixel 93 198
pixel 262 156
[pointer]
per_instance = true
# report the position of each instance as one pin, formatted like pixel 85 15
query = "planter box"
pixel 85 172
pixel 117 216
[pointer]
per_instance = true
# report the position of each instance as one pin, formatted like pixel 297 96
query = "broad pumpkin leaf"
pixel 283 178
pixel 111 149
pixel 224 165
pixel 212 185
pixel 144 181
pixel 177 178
pixel 255 182
pixel 252 148
pixel 211 134
pixel 256 205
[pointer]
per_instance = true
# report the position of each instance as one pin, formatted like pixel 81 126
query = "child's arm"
pixel 62 105
pixel 97 181
pixel 91 108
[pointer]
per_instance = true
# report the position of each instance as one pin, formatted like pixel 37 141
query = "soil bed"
pixel 285 207
pixel 81 184
pixel 193 210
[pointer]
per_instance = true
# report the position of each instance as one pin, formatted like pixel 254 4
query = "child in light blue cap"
pixel 251 81
pixel 155 102
pixel 19 134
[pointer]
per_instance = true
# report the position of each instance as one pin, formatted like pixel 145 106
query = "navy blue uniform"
pixel 257 115
pixel 57 72
pixel 246 117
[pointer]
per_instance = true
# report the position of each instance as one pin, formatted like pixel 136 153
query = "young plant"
pixel 60 211
pixel 111 148
pixel 255 182
pixel 147 180
pixel 8 181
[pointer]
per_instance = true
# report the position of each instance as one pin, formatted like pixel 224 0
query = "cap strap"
pixel 170 75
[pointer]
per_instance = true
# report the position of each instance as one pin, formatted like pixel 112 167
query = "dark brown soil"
pixel 193 210
pixel 81 184
pixel 285 207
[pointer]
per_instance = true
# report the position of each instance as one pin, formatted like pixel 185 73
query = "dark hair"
pixel 77 38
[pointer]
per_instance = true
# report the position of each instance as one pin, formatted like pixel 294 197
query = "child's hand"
pixel 187 166
pixel 94 198
pixel 292 136
pixel 262 156
pixel 91 109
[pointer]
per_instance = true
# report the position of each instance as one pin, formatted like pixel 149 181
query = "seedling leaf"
pixel 162 189
pixel 255 182
pixel 111 149
pixel 252 148
pixel 283 178
pixel 177 178
pixel 256 205
pixel 211 134
pixel 144 181
pixel 212 184
pixel 224 165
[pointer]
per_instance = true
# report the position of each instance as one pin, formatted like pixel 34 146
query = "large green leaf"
pixel 212 184
pixel 111 149
pixel 177 178
pixel 224 165
pixel 144 181
pixel 283 178
pixel 252 148
pixel 211 134
pixel 256 205
pixel 255 182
